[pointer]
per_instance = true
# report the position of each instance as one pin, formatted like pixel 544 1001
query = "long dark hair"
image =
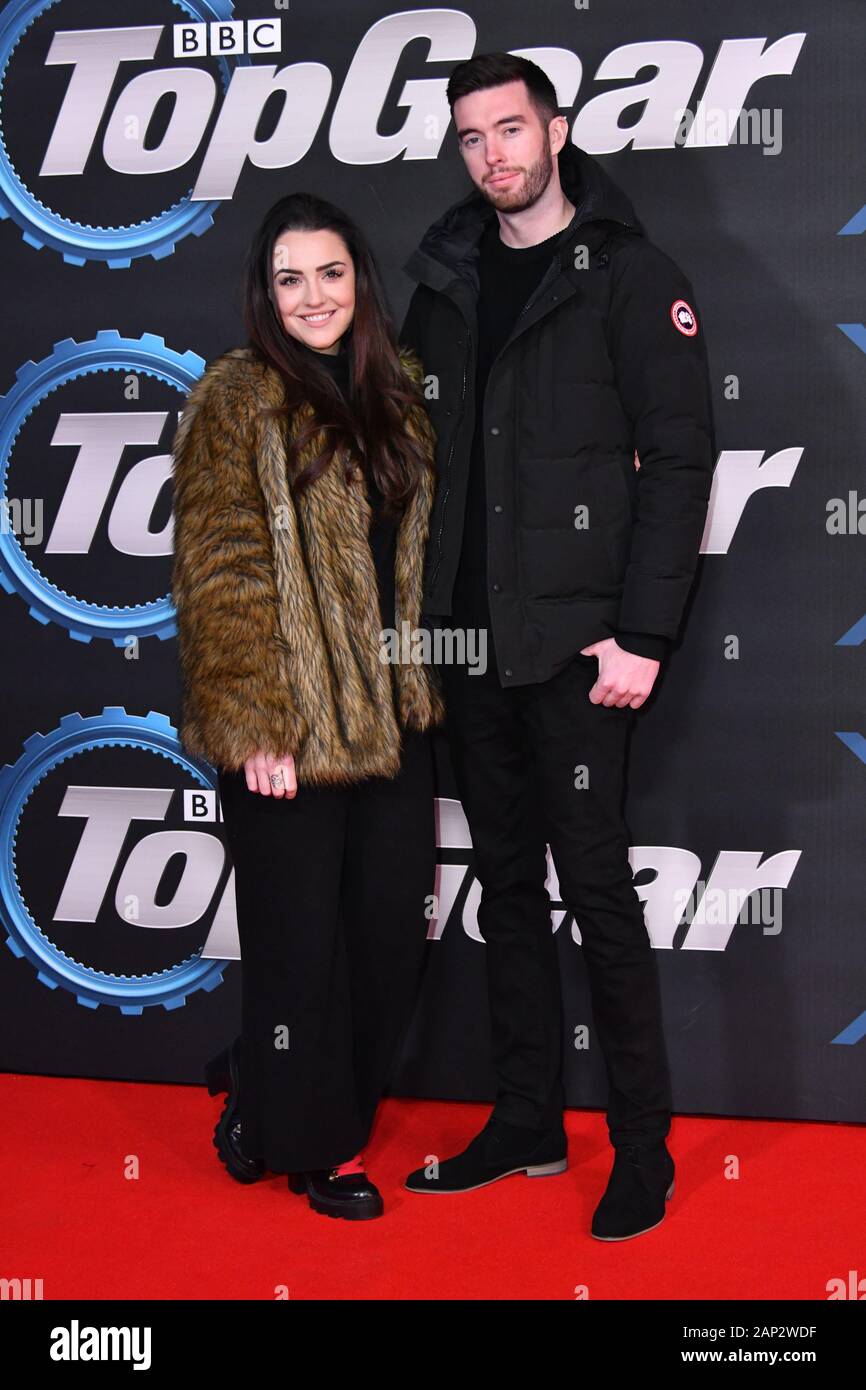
pixel 371 424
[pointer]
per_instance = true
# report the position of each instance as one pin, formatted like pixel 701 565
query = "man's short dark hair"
pixel 494 70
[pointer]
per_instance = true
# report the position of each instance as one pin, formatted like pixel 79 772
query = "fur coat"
pixel 276 597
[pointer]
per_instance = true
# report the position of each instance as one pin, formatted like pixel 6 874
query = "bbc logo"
pixel 228 38
pixel 200 804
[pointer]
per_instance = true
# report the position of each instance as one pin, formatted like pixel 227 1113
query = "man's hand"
pixel 272 776
pixel 623 678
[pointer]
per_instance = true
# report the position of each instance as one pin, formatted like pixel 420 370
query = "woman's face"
pixel 314 287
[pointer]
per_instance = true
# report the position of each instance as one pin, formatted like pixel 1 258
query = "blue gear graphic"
pixel 34 381
pixel 81 242
pixel 153 733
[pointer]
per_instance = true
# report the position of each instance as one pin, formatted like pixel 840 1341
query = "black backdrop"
pixel 747 765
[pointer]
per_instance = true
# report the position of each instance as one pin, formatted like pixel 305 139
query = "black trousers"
pixel 517 755
pixel 332 890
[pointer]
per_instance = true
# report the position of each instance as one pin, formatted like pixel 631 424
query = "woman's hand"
pixel 270 775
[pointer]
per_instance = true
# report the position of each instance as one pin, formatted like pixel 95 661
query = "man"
pixel 575 450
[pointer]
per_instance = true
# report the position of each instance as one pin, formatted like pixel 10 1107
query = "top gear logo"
pixel 78 243
pixel 74 523
pixel 118 874
pixel 115 87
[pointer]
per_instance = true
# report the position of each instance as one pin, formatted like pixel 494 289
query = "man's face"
pixel 505 147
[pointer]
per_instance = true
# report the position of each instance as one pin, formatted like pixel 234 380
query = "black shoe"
pixel 222 1073
pixel 499 1150
pixel 641 1181
pixel 351 1196
pixel 216 1072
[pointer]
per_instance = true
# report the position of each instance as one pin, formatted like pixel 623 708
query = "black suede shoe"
pixel 641 1181
pixel 351 1196
pixel 498 1151
pixel 222 1073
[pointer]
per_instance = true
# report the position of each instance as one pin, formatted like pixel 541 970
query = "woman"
pixel 303 479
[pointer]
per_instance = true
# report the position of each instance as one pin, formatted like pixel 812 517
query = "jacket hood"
pixel 450 242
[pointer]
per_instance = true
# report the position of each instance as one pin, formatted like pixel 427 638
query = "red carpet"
pixel 794 1219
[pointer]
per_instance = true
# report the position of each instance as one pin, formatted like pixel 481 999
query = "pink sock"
pixel 353 1165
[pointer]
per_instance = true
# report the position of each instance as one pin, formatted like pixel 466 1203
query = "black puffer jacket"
pixel 606 360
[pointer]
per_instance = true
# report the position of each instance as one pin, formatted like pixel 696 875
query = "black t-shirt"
pixel 383 530
pixel 508 275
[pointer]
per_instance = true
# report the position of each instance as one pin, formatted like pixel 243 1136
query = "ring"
pixel 276 779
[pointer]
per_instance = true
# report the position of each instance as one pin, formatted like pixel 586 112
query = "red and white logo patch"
pixel 684 318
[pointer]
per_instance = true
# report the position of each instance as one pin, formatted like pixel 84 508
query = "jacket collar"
pixel 449 247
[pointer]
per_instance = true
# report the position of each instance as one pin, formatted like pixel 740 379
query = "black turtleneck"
pixel 383 530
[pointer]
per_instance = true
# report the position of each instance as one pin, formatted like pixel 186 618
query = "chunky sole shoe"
pixel 222 1074
pixel 226 1141
pixel 352 1198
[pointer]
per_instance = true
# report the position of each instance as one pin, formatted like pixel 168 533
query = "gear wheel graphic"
pixel 34 381
pixel 80 242
pixel 131 994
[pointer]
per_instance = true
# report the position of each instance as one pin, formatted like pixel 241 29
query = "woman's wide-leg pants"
pixel 333 890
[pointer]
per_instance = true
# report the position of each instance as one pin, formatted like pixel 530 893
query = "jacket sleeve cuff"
pixel 648 644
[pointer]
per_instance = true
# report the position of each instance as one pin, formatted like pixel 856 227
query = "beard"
pixel 516 198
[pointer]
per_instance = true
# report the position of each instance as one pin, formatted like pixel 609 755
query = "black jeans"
pixel 332 890
pixel 517 755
